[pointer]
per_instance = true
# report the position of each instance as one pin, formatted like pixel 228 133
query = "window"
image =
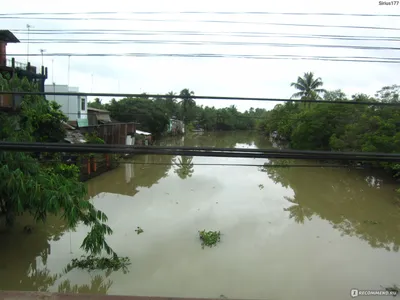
pixel 83 104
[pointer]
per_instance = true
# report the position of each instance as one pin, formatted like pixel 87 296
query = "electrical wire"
pixel 155 96
pixel 201 21
pixel 394 60
pixel 187 151
pixel 201 12
pixel 254 34
pixel 211 43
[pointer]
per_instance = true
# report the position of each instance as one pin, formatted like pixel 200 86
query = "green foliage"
pixel 308 87
pixel 209 238
pixel 53 188
pixel 100 263
pixel 92 138
pixel 340 127
pixel 154 114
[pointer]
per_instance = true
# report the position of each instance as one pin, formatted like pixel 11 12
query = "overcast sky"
pixel 206 76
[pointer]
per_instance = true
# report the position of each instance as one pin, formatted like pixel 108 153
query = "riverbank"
pixel 14 295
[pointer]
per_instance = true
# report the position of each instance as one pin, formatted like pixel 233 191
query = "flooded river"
pixel 287 233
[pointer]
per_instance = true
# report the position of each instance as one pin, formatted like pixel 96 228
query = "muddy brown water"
pixel 287 233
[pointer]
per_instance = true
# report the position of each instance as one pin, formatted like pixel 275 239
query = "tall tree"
pixel 308 86
pixel 187 104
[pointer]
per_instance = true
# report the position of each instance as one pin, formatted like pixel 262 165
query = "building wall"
pixel 75 107
pixel 3 54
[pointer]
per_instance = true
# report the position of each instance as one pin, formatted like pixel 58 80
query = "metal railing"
pixel 15 64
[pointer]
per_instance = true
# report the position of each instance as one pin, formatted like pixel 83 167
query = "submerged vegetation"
pixel 92 262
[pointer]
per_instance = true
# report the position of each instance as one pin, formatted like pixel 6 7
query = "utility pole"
pixel 41 51
pixel 69 65
pixel 29 28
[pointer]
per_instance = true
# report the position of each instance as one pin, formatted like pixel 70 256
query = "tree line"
pixel 337 127
pixel 154 114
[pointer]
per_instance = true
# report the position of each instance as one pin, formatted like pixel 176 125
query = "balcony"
pixel 11 63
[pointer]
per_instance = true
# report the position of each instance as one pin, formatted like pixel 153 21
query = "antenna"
pixel 41 51
pixel 27 56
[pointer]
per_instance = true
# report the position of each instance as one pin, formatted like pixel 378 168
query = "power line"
pixel 227 152
pixel 211 43
pixel 394 60
pixel 204 21
pixel 202 33
pixel 155 96
pixel 201 12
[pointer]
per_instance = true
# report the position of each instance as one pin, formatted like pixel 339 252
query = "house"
pixel 74 107
pixel 98 116
pixel 176 126
pixel 9 67
pixel 142 138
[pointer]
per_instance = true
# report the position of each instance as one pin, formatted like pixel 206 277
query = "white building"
pixel 74 107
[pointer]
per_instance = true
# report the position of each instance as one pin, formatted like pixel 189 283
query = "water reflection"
pixel 185 166
pixel 298 212
pixel 98 285
pixel 24 259
pixel 279 242
pixel 141 171
pixel 351 200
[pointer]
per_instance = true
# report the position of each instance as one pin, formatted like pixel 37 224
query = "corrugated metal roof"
pixel 143 132
pixel 98 110
pixel 103 118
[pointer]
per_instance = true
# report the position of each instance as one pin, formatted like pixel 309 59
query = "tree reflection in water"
pixel 298 212
pixel 352 201
pixel 185 167
pixel 24 257
pixel 98 285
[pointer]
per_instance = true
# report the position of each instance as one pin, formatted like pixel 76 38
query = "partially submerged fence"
pixel 112 133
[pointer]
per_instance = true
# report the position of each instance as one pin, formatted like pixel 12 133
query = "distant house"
pixel 176 126
pixel 142 138
pixel 74 107
pixel 98 116
pixel 10 67
pixel 73 136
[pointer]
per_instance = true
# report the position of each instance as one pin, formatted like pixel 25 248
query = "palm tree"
pixel 187 102
pixel 308 86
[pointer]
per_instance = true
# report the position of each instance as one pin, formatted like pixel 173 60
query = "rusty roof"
pixel 98 110
pixel 8 36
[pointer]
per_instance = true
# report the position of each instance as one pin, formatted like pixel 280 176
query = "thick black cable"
pixel 201 12
pixel 133 115
pixel 219 149
pixel 155 96
pixel 266 165
pixel 239 153
pixel 388 60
